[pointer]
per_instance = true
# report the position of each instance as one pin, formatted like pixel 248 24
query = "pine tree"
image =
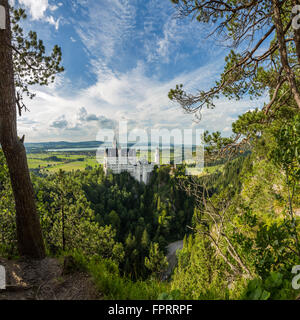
pixel 157 263
pixel 22 63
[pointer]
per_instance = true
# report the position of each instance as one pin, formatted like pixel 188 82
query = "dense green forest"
pixel 112 216
pixel 240 241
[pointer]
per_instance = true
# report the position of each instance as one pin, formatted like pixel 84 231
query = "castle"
pixel 118 160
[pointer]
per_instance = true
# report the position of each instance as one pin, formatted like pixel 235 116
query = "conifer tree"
pixel 23 62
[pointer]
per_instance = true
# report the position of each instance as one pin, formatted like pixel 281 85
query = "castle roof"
pixel 115 152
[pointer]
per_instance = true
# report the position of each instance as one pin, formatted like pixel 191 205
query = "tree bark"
pixel 283 51
pixel 63 228
pixel 30 241
pixel 236 256
pixel 297 35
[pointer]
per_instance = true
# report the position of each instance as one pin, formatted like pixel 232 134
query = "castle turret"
pixel 157 157
pixel 117 160
pixel 115 144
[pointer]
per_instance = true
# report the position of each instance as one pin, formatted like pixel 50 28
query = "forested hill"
pixel 237 236
pixel 112 216
pixel 244 244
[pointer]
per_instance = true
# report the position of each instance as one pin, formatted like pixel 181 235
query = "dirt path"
pixel 43 280
pixel 171 256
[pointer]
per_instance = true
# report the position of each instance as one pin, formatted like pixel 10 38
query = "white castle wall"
pixel 120 160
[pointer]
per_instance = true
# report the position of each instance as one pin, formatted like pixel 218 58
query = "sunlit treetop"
pixel 32 64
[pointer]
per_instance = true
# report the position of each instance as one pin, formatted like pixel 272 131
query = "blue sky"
pixel 121 58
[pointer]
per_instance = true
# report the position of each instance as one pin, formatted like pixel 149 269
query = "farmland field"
pixel 54 161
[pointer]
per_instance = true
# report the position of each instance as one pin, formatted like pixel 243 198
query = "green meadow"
pixel 54 161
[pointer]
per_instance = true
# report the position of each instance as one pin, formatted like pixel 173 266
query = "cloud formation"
pixel 38 8
pixel 136 52
pixel 134 97
pixel 106 25
pixel 60 122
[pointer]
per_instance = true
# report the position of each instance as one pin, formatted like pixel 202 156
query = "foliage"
pixel 113 217
pixel 32 65
pixel 260 25
pixel 8 243
pixel 199 275
pixel 240 226
pixel 274 287
pixel 286 154
pixel 256 225
pixel 112 285
pixel 156 262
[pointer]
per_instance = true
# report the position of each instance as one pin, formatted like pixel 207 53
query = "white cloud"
pixel 37 7
pixel 51 20
pixel 54 7
pixel 132 96
pixel 103 30
pixel 165 35
pixel 142 99
pixel 168 42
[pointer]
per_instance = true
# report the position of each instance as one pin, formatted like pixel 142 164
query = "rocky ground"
pixel 45 280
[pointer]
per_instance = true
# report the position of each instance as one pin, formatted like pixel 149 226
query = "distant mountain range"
pixel 57 145
pixel 42 146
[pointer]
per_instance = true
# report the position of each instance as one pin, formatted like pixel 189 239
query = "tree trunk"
pixel 297 33
pixel 283 51
pixel 63 229
pixel 30 241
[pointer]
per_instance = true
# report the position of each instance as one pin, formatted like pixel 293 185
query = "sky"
pixel 121 58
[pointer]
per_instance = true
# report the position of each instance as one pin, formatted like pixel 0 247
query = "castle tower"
pixel 115 143
pixel 157 157
pixel 118 160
